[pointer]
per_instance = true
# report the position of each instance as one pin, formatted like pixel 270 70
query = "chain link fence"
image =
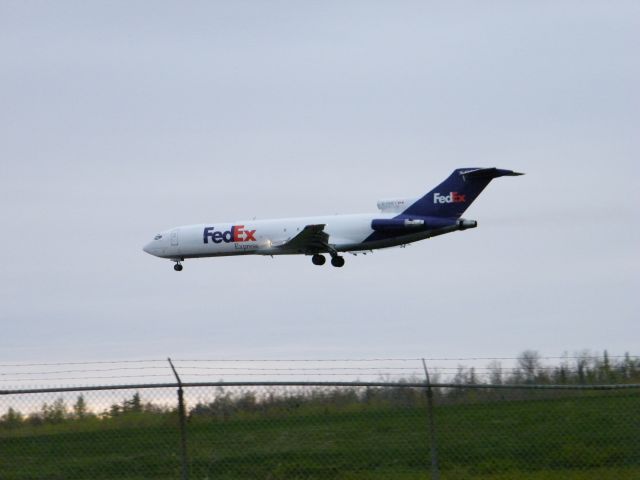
pixel 321 430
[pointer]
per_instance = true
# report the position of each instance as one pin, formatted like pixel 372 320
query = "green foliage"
pixel 55 413
pixel 11 419
pixel 537 438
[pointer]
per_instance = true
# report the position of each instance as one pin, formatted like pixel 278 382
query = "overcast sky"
pixel 121 119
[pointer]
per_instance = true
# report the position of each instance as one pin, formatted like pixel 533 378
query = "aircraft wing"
pixel 312 239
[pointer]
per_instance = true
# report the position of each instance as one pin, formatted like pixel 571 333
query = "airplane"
pixel 400 222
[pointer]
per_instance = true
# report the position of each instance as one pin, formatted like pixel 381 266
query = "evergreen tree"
pixel 11 419
pixel 134 404
pixel 80 408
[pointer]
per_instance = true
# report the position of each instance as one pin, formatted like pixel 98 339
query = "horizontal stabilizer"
pixel 488 173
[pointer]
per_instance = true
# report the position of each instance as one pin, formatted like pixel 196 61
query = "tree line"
pixel 584 368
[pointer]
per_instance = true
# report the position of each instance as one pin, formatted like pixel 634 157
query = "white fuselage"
pixel 262 237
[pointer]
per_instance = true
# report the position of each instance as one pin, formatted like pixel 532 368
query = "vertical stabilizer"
pixel 453 196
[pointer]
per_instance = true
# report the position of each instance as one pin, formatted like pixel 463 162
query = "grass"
pixel 590 437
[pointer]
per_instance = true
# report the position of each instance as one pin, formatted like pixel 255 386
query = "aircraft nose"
pixel 147 249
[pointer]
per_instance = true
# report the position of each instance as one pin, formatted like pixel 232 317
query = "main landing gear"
pixel 336 260
pixel 177 267
pixel 318 259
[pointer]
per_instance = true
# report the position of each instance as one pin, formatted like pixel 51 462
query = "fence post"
pixel 183 425
pixel 435 471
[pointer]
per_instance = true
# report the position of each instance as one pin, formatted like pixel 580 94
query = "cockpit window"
pixel 157 237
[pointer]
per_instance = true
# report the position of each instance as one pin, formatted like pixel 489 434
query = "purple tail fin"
pixel 453 196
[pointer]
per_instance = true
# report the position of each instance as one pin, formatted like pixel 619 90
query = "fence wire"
pixel 321 430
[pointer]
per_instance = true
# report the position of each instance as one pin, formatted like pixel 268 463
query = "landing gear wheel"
pixel 337 261
pixel 177 267
pixel 318 259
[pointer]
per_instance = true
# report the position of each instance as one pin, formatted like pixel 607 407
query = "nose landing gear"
pixel 177 267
